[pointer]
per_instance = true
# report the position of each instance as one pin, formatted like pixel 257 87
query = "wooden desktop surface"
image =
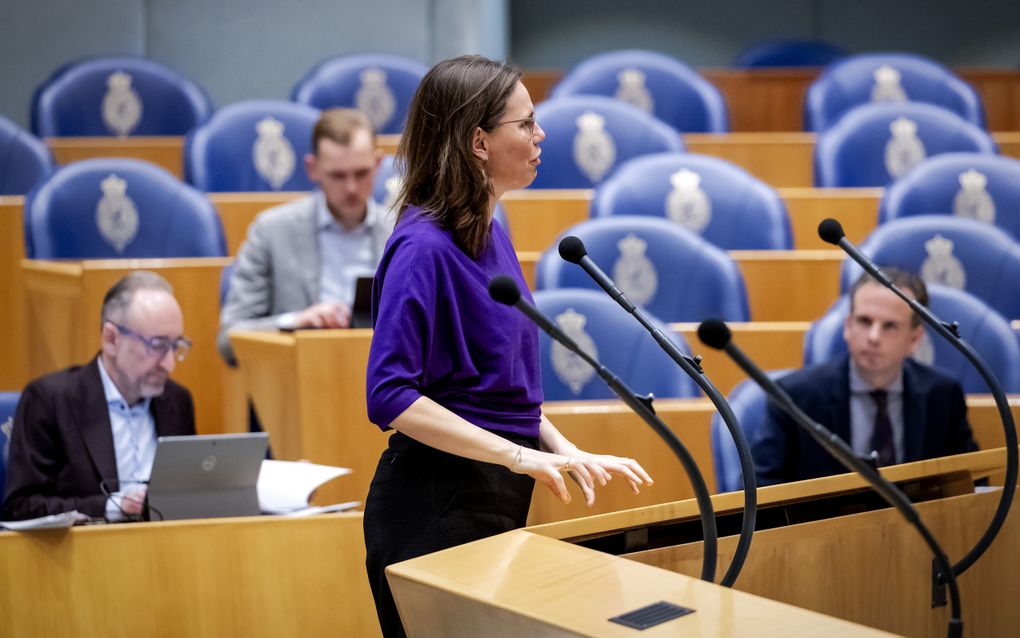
pixel 263 576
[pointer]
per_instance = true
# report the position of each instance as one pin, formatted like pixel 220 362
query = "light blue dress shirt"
pixel 863 409
pixel 134 440
pixel 344 255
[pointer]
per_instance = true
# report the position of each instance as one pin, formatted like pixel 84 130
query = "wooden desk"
pixel 13 313
pixel 309 390
pixel 255 577
pixel 855 559
pixel 166 152
pixel 64 300
pixel 814 274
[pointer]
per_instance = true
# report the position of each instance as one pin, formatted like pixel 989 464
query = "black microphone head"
pixel 504 289
pixel 572 249
pixel 831 231
pixel 714 333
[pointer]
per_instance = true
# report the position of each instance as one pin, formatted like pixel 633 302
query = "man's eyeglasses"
pixel 158 346
pixel 528 123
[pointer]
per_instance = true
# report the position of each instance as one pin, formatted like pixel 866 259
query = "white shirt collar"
pixel 324 219
pixel 859 385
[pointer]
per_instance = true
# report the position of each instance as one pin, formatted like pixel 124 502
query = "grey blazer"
pixel 277 268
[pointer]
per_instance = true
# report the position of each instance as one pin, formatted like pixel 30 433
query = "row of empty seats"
pixel 136 96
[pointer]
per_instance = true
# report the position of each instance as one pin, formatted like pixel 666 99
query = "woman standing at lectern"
pixel 453 372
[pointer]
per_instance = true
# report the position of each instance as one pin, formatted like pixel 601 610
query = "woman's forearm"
pixel 430 423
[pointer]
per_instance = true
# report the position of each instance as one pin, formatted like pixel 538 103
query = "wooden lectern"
pixel 830 546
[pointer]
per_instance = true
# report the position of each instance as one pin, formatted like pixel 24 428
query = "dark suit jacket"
pixel 62 442
pixel 934 421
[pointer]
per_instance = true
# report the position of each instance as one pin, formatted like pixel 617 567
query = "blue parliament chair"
pixel 8 404
pixel 976 186
pixel 387 185
pixel 749 403
pixel 709 196
pixel 673 273
pixel 587 136
pixel 875 144
pixel 980 326
pixel 114 208
pixel 655 83
pixel 381 85
pixel 117 96
pixel 887 77
pixel 615 339
pixel 252 146
pixel 953 252
pixel 24 159
pixel 789 53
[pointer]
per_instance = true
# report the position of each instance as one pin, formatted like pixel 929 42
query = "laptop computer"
pixel 205 476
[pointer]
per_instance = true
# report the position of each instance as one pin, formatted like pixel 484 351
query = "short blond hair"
pixel 340 125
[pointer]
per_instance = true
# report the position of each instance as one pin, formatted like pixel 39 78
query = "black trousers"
pixel 423 500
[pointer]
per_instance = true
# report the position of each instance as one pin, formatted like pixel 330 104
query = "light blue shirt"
pixel 134 439
pixel 344 255
pixel 863 409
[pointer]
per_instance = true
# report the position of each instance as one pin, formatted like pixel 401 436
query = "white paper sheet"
pixel 286 486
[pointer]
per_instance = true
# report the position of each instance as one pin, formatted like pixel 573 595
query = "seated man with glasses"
pixel 84 438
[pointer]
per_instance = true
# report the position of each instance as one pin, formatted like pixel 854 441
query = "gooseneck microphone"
pixel 831 231
pixel 504 289
pixel 716 334
pixel 572 249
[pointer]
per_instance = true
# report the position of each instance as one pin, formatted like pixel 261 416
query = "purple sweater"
pixel 439 334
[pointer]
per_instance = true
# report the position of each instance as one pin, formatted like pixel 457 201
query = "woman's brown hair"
pixel 441 174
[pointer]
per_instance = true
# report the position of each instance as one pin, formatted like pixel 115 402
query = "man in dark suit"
pixel 84 438
pixel 876 398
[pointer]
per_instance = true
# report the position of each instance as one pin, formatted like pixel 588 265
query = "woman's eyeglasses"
pixel 527 123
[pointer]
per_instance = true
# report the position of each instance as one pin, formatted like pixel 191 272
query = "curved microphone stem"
pixel 842 452
pixel 950 333
pixel 642 406
pixel 692 366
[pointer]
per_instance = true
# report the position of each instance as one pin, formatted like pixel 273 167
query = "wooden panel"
pixel 778 159
pixel 238 210
pixel 309 391
pixel 13 312
pixel 57 291
pixel 827 565
pixel 207 578
pixel 763 99
pixel 524 584
pixel 1009 143
pixel 812 274
pixel 1000 94
pixel 167 152
pixel 387 144
pixel 855 208
pixel 789 285
pixel 537 217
